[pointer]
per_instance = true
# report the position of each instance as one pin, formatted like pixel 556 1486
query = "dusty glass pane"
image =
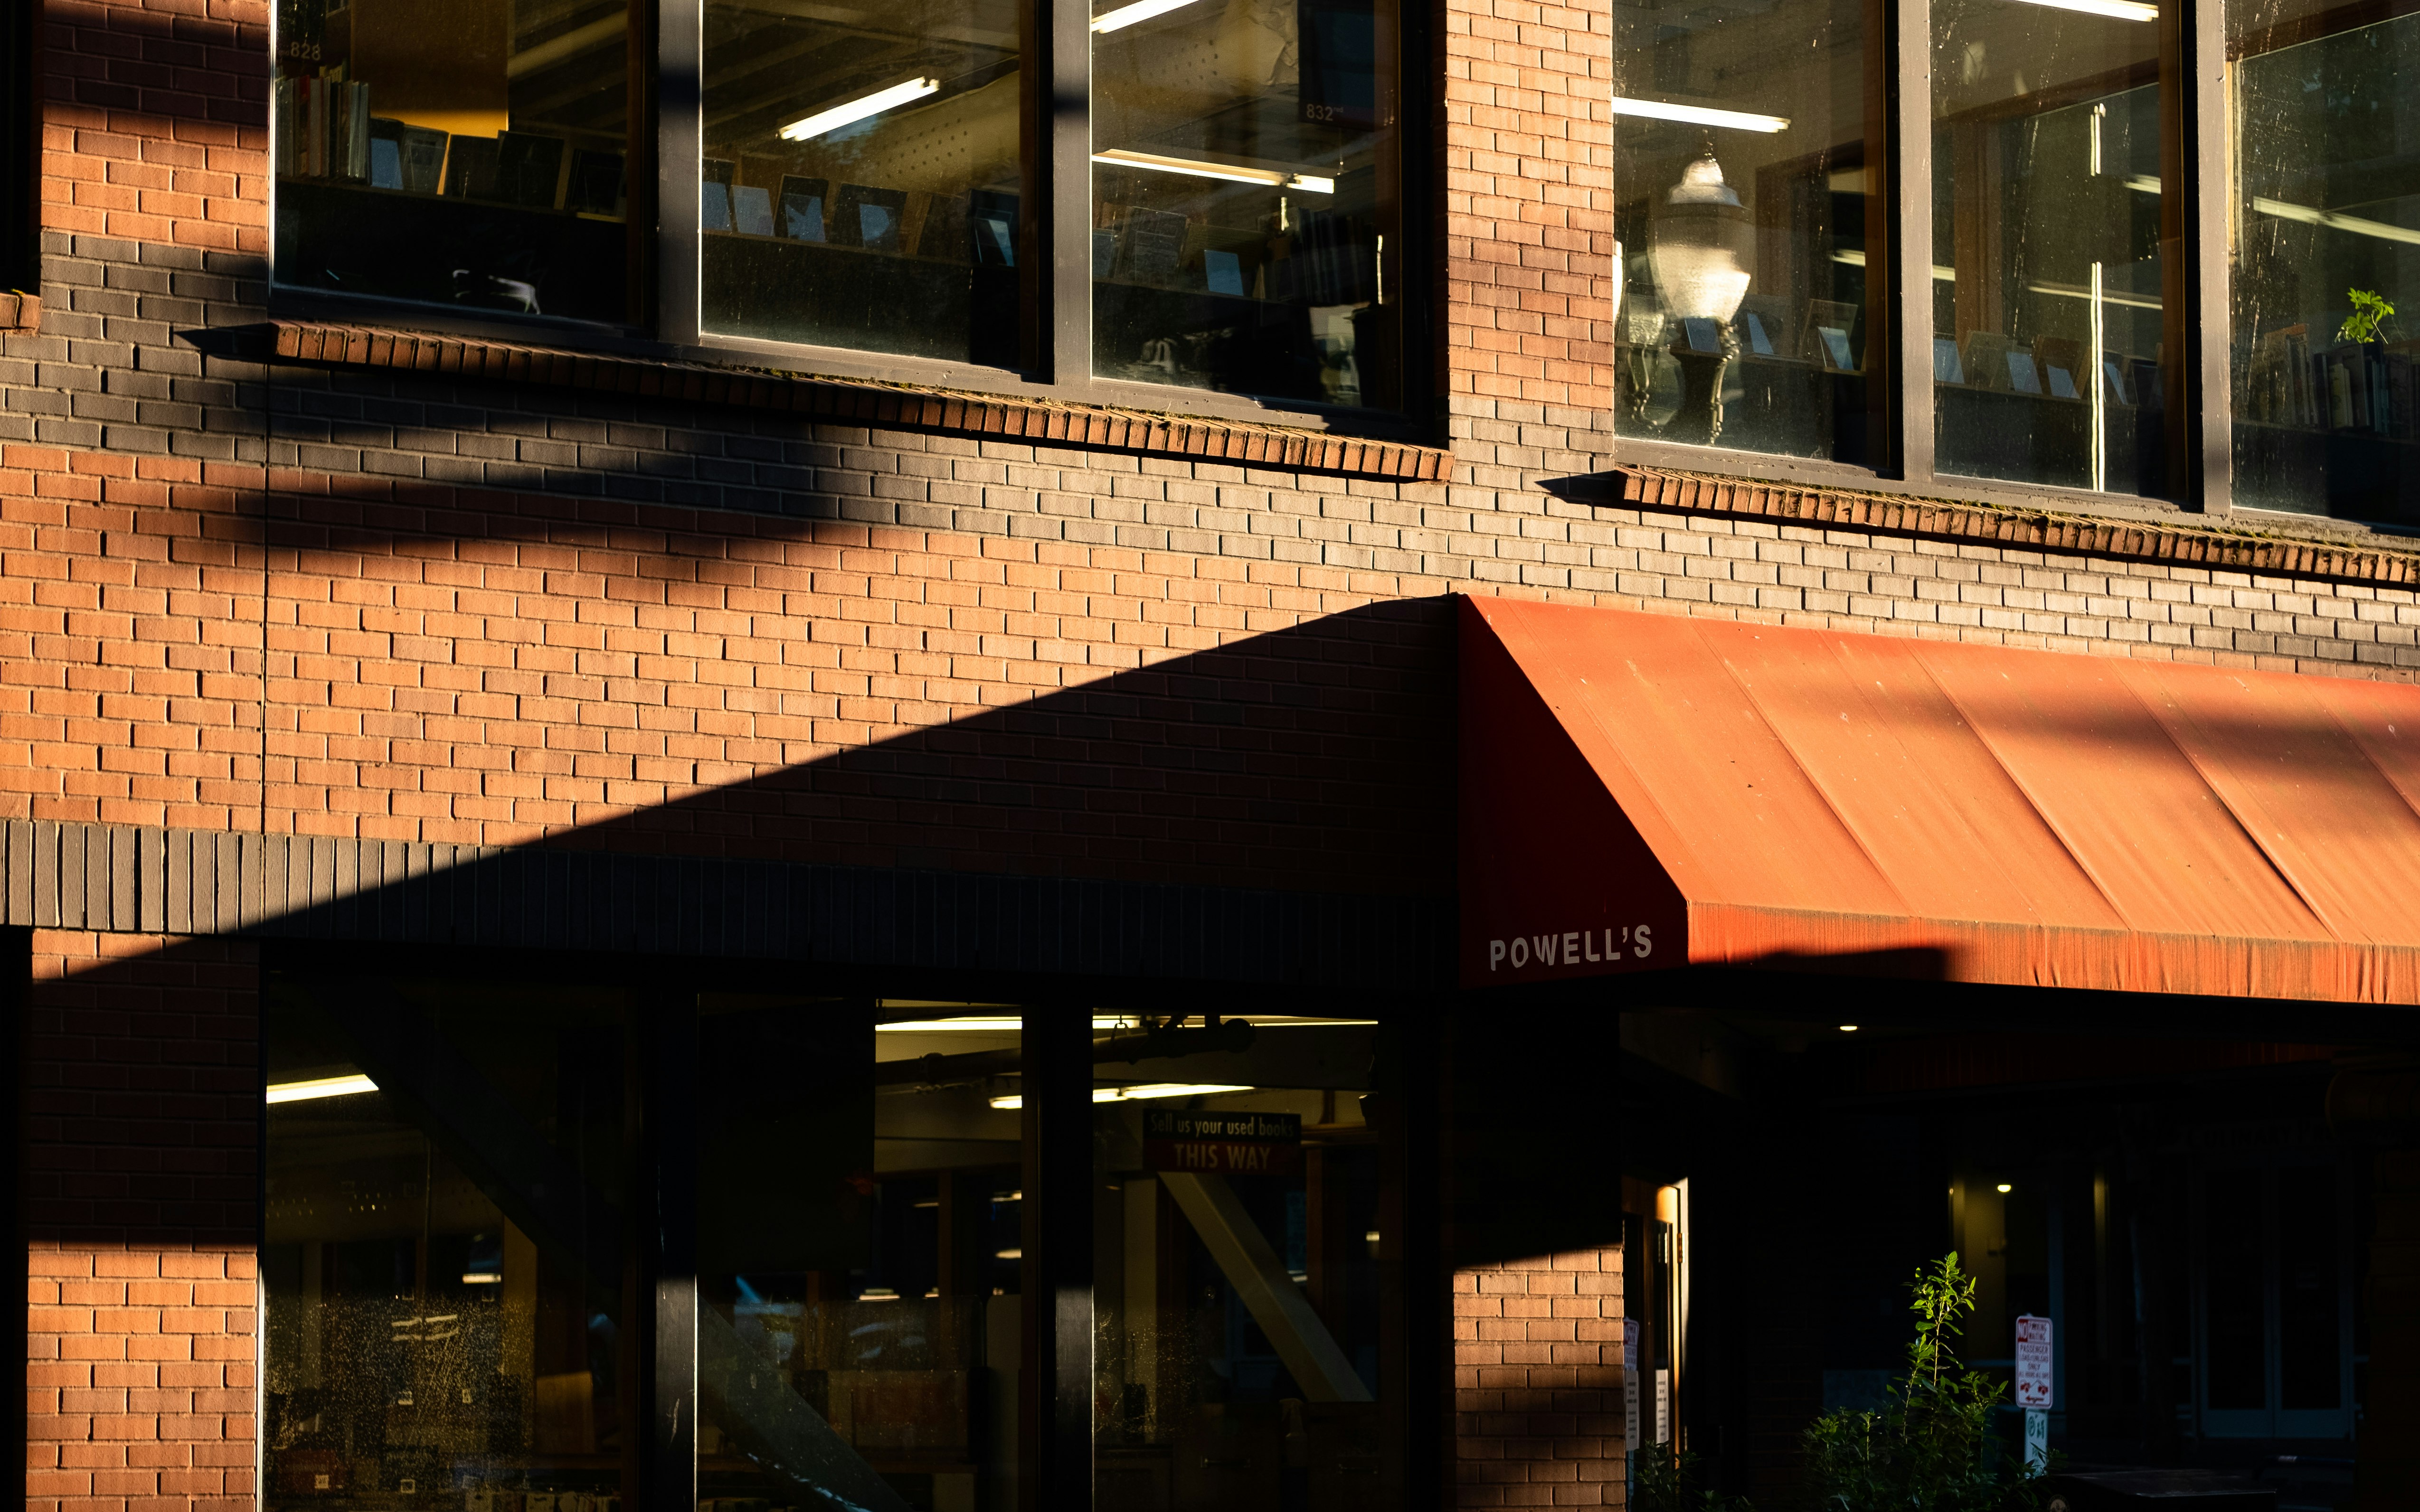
pixel 859 182
pixel 1246 1266
pixel 462 152
pixel 2325 225
pixel 859 1251
pixel 443 1255
pixel 2046 243
pixel 1246 224
pixel 1740 157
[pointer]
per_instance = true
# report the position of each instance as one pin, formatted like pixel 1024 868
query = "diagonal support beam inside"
pixel 1285 1314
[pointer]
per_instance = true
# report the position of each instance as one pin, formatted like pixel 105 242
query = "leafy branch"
pixel 2370 313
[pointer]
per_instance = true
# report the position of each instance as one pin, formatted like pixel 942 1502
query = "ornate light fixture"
pixel 1701 254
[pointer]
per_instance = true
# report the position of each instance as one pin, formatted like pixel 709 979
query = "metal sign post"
pixel 2033 1387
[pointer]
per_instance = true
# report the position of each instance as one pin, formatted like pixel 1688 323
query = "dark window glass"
pixel 2310 1292
pixel 859 1206
pixel 861 184
pixel 2324 218
pixel 443 1259
pixel 2236 1326
pixel 2046 243
pixel 462 152
pixel 1245 1269
pixel 1247 226
pixel 1739 146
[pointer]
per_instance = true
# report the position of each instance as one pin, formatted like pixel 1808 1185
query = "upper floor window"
pixel 865 182
pixel 471 153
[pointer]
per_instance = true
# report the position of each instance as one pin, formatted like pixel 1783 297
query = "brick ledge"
pixel 2212 548
pixel 857 402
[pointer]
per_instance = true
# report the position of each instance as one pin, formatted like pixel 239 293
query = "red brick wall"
pixel 143 1105
pixel 1527 143
pixel 1537 1381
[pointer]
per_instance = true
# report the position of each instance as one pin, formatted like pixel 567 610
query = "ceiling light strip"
pixel 1232 173
pixel 1737 120
pixel 319 1087
pixel 858 110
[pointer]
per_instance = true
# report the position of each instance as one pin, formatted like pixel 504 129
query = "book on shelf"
pixel 323 129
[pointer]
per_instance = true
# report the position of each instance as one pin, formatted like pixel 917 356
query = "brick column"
pixel 144 1100
pixel 1527 133
pixel 1537 1381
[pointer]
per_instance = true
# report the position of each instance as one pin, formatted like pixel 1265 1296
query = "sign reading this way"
pixel 1222 1144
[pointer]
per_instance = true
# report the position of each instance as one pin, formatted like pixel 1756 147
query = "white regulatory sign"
pixel 2033 1360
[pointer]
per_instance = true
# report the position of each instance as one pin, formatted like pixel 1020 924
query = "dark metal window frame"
pixel 1055 1381
pixel 667 53
pixel 2194 283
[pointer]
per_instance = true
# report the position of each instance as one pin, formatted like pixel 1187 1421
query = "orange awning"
pixel 1641 792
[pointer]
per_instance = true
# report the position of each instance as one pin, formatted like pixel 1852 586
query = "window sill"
pixel 20 312
pixel 2317 552
pixel 860 402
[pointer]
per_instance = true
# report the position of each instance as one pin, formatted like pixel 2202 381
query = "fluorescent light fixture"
pixel 1854 257
pixel 2006 1187
pixel 2312 215
pixel 2114 9
pixel 321 1087
pixel 2077 291
pixel 1847 1028
pixel 1125 16
pixel 1232 173
pixel 978 1025
pixel 483 1278
pixel 858 110
pixel 1141 1091
pixel 1738 120
pixel 1008 1254
pixel 878 1294
pixel 2141 183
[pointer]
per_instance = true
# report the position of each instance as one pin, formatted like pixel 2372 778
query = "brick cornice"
pixel 2210 547
pixel 852 402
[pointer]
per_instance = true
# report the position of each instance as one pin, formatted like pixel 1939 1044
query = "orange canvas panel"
pixel 1799 797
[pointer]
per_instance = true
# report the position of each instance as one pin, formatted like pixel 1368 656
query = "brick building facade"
pixel 334 626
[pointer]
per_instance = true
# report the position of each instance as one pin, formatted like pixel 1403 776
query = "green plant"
pixel 1931 1447
pixel 1667 1482
pixel 2370 313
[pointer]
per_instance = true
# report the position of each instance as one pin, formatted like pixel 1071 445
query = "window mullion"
pixel 2192 226
pixel 680 63
pixel 1059 291
pixel 1908 182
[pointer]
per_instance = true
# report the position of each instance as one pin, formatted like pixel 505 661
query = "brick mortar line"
pixel 2206 548
pixel 985 416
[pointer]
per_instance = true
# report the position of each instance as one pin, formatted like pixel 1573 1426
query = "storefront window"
pixel 1740 156
pixel 2326 286
pixel 1244 1267
pixel 1247 232
pixel 2046 353
pixel 858 1257
pixel 859 184
pixel 460 152
pixel 443 1253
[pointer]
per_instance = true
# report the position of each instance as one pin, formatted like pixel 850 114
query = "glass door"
pixel 2275 1310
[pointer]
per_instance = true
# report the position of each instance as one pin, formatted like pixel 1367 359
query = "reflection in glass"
pixel 442 1257
pixel 860 183
pixel 2046 243
pixel 1246 222
pixel 1242 1269
pixel 1739 137
pixel 2325 224
pixel 463 152
pixel 858 1251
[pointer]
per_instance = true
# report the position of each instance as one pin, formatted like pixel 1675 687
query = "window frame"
pixel 2194 160
pixel 667 52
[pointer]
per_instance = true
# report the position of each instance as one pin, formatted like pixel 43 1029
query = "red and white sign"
pixel 2033 1360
